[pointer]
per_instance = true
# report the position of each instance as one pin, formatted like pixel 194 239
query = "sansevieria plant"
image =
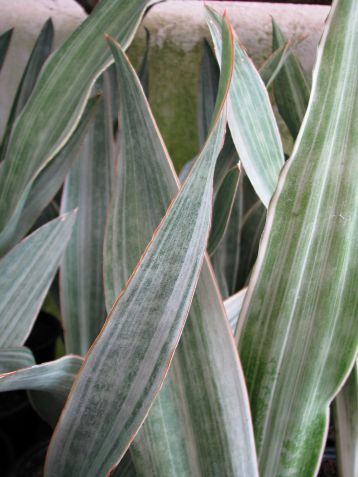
pixel 210 320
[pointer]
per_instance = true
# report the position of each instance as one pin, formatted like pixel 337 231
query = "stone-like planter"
pixel 177 29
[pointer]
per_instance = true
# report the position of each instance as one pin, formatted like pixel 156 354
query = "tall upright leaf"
pixel 346 425
pixel 291 87
pixel 59 97
pixel 88 188
pixel 251 120
pixel 298 336
pixel 47 183
pixel 144 325
pixel 26 273
pixel 197 423
pixel 5 39
pixel 39 54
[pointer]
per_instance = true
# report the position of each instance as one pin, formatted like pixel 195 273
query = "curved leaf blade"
pixel 291 89
pixel 26 274
pixel 251 120
pixel 223 205
pixel 128 377
pixel 49 384
pixel 60 95
pixel 346 425
pixel 199 422
pixel 298 341
pixel 88 188
pixel 39 54
pixel 15 358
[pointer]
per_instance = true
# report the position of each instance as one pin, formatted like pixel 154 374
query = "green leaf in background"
pixel 199 419
pixel 145 323
pixel 26 273
pixel 5 39
pixel 346 425
pixel 47 183
pixel 59 98
pixel 39 54
pixel 88 188
pixel 223 205
pixel 252 225
pixel 274 63
pixel 226 259
pixel 15 358
pixel 297 331
pixel 143 72
pixel 208 89
pixel 251 120
pixel 48 383
pixel 233 306
pixel 291 88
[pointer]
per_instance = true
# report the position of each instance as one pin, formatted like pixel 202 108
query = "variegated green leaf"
pixel 226 259
pixel 88 188
pixel 252 225
pixel 26 273
pixel 59 97
pixel 297 330
pixel 39 54
pixel 142 333
pixel 233 306
pixel 251 120
pixel 346 425
pixel 223 205
pixel 47 183
pixel 15 358
pixel 143 72
pixel 48 383
pixel 274 63
pixel 291 87
pixel 5 39
pixel 175 438
pixel 208 89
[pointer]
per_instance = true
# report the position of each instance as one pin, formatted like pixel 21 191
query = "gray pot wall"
pixel 177 30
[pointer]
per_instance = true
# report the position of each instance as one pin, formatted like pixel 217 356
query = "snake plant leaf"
pixel 143 333
pixel 251 120
pixel 59 97
pixel 274 63
pixel 26 273
pixel 233 306
pixel 39 54
pixel 297 332
pixel 47 183
pixel 88 188
pixel 252 225
pixel 226 259
pixel 208 89
pixel 49 384
pixel 291 88
pixel 5 39
pixel 175 438
pixel 143 72
pixel 346 425
pixel 223 205
pixel 15 358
